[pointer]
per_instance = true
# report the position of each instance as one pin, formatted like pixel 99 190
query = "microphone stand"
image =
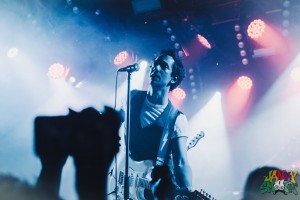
pixel 126 178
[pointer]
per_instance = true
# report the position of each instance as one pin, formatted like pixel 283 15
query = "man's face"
pixel 161 70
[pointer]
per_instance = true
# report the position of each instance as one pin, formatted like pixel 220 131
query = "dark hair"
pixel 178 71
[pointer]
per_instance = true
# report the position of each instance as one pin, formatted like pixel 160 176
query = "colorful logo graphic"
pixel 280 181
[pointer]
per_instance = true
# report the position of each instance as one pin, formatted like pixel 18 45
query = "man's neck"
pixel 159 97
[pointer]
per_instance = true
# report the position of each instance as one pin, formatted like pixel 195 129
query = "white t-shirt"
pixel 151 112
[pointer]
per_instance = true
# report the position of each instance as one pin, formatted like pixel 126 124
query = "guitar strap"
pixel 166 136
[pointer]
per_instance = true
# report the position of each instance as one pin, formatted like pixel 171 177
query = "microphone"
pixel 130 68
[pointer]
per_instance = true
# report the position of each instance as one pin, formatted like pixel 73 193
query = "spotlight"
pixel 121 58
pixel 179 93
pixel 286 13
pixel 177 45
pixel 72 79
pixel 239 36
pixel 143 64
pixel 243 53
pixel 256 28
pixel 69 2
pixel 241 44
pixel 57 71
pixel 169 30
pixel 237 28
pixel 12 52
pixel 285 23
pixel 180 53
pixel 245 61
pixel 173 38
pixel 165 22
pixel 75 10
pixel 97 12
pixel 203 41
pixel 194 90
pixel 244 82
pixel 286 4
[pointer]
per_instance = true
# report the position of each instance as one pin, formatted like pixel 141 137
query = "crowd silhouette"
pixel 92 139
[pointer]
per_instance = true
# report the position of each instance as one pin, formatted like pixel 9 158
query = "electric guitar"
pixel 139 178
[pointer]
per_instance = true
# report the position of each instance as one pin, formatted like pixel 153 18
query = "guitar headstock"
pixel 195 140
pixel 202 195
pixel 195 195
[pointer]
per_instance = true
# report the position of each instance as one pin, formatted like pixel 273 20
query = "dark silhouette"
pixel 90 137
pixel 163 183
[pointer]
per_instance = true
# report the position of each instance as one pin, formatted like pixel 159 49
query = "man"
pixel 152 111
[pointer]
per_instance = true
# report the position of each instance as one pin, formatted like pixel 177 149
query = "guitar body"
pixel 139 175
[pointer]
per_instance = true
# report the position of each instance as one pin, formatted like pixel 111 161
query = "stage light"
pixel 97 12
pixel 177 45
pixel 179 93
pixel 12 52
pixel 244 82
pixel 143 64
pixel 239 36
pixel 69 2
pixel 169 30
pixel 165 22
pixel 72 79
pixel 58 71
pixel 286 4
pixel 256 28
pixel 285 23
pixel 286 13
pixel 241 44
pixel 75 10
pixel 180 53
pixel 243 53
pixel 203 41
pixel 245 61
pixel 237 28
pixel 173 38
pixel 121 58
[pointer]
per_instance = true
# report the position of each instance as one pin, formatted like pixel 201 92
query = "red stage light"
pixel 256 28
pixel 203 41
pixel 121 58
pixel 179 93
pixel 244 82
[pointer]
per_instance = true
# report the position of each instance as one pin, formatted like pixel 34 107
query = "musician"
pixel 152 112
